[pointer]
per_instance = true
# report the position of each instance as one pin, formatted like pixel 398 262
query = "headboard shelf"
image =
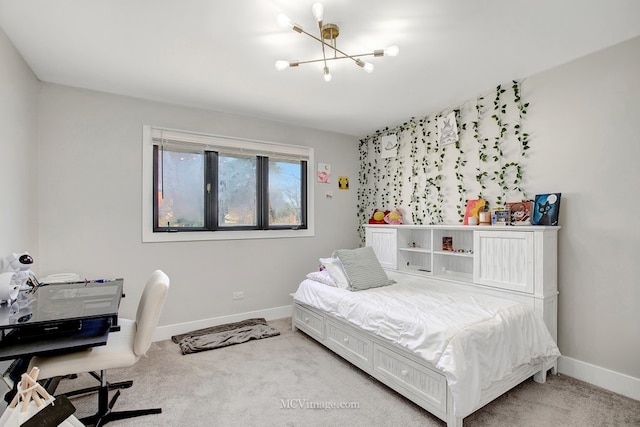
pixel 518 262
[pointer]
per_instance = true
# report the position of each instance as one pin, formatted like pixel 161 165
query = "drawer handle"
pixel 346 340
pixel 404 372
pixel 306 319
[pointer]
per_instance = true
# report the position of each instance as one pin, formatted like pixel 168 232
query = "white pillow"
pixel 322 277
pixel 334 267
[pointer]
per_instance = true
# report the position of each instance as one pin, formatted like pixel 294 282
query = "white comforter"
pixel 473 339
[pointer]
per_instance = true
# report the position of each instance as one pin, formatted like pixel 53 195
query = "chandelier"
pixel 330 52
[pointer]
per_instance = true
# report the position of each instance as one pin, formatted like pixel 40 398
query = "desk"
pixel 59 317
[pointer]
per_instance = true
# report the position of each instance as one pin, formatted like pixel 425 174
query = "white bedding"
pixel 473 339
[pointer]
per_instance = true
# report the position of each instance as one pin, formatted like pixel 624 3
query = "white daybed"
pixel 451 349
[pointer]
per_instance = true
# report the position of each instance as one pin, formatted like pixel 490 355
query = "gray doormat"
pixel 224 335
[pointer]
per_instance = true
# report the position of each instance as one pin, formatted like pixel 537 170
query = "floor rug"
pixel 224 335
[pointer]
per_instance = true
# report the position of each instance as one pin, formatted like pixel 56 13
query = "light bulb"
pixel 317 11
pixel 284 21
pixel 281 65
pixel 368 66
pixel 327 74
pixel 392 51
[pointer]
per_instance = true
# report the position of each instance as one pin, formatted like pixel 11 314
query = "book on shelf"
pixel 447 244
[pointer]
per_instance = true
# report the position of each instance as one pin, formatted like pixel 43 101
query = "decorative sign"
pixel 389 146
pixel 447 129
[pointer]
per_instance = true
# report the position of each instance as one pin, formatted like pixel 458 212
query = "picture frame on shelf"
pixel 474 206
pixel 447 244
pixel 520 212
pixel 546 209
pixel 503 216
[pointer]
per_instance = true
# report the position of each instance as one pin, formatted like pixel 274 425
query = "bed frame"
pixel 396 367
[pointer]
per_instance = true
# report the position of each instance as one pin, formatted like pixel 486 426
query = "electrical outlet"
pixel 237 295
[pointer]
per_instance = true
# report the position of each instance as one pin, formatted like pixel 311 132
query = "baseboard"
pixel 166 332
pixel 601 377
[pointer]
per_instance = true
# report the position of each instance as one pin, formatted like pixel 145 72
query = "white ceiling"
pixel 219 55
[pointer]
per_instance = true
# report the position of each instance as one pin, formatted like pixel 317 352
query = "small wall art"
pixel 546 209
pixel 324 173
pixel 447 129
pixel 343 183
pixel 388 146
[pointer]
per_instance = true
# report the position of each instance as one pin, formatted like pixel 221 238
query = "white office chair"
pixel 123 349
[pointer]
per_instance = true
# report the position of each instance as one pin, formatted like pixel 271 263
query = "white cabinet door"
pixel 384 242
pixel 504 259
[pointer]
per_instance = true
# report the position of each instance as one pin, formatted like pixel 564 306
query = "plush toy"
pixel 378 217
pixel 393 217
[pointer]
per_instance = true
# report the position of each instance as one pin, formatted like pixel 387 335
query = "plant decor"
pixel 430 183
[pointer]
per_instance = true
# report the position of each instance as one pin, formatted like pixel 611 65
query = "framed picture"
pixel 324 173
pixel 546 209
pixel 447 129
pixel 503 216
pixel 520 212
pixel 343 183
pixel 389 146
pixel 473 207
pixel 447 244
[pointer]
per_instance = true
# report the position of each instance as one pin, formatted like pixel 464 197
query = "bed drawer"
pixel 353 347
pixel 308 321
pixel 428 386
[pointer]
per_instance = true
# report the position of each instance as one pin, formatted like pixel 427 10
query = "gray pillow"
pixel 362 268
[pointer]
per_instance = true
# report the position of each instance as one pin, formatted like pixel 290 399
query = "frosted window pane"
pixel 236 191
pixel 285 199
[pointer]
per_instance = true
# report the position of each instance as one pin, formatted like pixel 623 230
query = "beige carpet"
pixel 277 381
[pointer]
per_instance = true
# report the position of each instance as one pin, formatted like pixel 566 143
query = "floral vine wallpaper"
pixel 476 150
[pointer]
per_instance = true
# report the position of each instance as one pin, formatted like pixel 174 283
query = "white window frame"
pixel 149 236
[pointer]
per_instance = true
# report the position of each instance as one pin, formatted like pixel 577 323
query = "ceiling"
pixel 220 55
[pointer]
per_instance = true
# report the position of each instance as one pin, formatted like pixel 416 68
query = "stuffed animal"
pixel 393 217
pixel 378 217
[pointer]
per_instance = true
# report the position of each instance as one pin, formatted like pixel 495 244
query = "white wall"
pixel 585 135
pixel 18 153
pixel 90 207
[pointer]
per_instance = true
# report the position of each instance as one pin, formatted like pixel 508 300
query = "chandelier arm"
pixel 324 43
pixel 324 56
pixel 333 59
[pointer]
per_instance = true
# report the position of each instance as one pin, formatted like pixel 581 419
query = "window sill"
pixel 190 236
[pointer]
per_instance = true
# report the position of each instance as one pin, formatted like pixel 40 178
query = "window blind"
pixel 184 140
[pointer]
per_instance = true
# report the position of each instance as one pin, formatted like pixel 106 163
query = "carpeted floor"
pixel 287 379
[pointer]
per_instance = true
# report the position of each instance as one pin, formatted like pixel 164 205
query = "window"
pixel 211 187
